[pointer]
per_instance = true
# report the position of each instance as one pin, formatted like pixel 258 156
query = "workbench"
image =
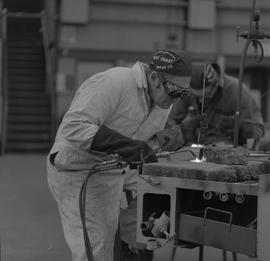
pixel 222 206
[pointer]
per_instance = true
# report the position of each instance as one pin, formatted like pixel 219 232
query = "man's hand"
pixel 110 141
pixel 211 75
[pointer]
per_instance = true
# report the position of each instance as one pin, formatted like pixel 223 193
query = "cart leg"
pixel 172 255
pixel 224 255
pixel 234 256
pixel 201 253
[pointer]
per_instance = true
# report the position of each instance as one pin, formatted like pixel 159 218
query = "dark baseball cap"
pixel 166 61
pixel 198 75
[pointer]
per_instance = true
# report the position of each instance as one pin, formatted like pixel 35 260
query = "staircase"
pixel 28 126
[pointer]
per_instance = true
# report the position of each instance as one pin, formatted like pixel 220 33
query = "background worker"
pixel 216 122
pixel 113 112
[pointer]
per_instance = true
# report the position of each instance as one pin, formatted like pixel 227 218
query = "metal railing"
pixel 4 94
pixel 50 60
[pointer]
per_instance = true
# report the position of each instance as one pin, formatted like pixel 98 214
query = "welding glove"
pixel 111 142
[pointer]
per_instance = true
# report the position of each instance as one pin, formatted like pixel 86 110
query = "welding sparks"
pixel 196 160
pixel 201 158
pixel 197 146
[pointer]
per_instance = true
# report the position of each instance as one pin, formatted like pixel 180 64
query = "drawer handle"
pixel 219 211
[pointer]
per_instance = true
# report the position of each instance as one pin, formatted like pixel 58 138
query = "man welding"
pixel 113 112
pixel 208 115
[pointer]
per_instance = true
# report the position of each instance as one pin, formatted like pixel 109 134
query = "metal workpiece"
pixel 157 226
pixel 148 225
pixel 161 225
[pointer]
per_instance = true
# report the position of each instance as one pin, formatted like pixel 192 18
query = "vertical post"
pixel 50 58
pixel 241 74
pixel 239 97
pixel 3 79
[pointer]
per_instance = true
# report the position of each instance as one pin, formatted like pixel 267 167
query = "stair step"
pixel 28 102
pixel 24 44
pixel 29 119
pixel 27 71
pixel 26 94
pixel 25 50
pixel 25 64
pixel 26 86
pixel 27 147
pixel 28 111
pixel 27 32
pixel 25 57
pixel 28 136
pixel 30 96
pixel 25 78
pixel 28 127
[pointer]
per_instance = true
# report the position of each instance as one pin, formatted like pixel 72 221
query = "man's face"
pixel 208 93
pixel 160 93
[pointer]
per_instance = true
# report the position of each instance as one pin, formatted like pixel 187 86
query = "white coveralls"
pixel 118 99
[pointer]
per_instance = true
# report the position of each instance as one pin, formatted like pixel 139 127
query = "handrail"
pixel 24 15
pixel 4 79
pixel 49 51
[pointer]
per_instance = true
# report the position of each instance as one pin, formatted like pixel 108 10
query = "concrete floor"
pixel 30 228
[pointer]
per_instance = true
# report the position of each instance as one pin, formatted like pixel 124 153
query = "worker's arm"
pixel 92 105
pixel 111 142
pixel 251 122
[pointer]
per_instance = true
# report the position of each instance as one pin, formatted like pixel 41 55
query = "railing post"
pixel 4 90
pixel 50 70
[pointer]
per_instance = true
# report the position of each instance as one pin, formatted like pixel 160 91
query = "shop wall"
pixel 102 33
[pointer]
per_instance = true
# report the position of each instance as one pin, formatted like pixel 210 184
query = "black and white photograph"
pixel 134 130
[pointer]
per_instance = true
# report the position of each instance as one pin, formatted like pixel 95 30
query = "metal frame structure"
pixel 202 230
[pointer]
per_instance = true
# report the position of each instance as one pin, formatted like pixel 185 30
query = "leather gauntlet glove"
pixel 109 141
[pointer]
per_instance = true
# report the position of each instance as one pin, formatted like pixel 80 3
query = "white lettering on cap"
pixel 167 60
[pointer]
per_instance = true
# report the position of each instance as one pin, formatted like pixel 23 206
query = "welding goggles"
pixel 175 91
